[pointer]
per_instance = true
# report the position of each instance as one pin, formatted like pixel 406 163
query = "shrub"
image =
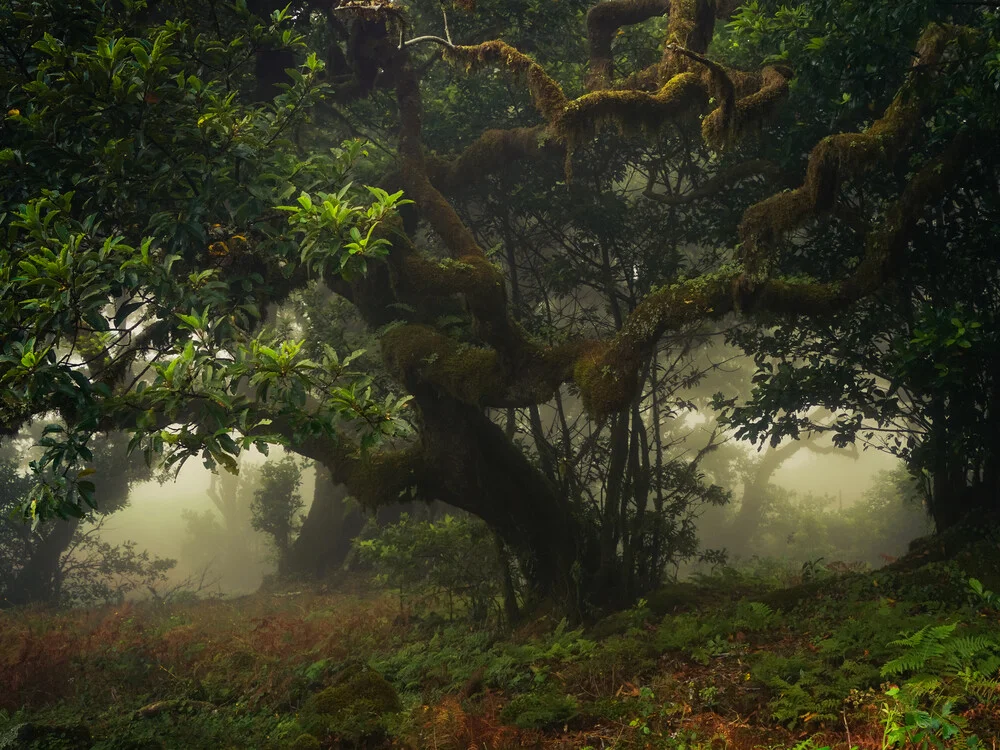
pixel 541 709
pixel 456 560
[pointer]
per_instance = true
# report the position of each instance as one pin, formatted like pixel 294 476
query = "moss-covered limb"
pixel 419 278
pixel 442 217
pixel 489 153
pixel 479 376
pixel 722 88
pixel 546 94
pixel 691 27
pixel 607 373
pixel 603 22
pixel 837 158
pixel 470 272
pixel 719 182
pixel 375 478
pixel 630 110
pixel 885 245
pixel 417 353
pixel 727 123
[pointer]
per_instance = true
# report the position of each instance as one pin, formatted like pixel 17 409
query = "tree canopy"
pixel 555 222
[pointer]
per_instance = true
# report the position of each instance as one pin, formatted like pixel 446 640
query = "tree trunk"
pixel 478 469
pixel 39 579
pixel 328 529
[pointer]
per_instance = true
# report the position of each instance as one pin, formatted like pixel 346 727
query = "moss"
pixel 489 153
pixel 692 23
pixel 305 742
pixel 354 711
pixel 831 161
pixel 607 373
pixel 377 479
pixel 726 124
pixel 604 387
pixel 470 374
pixel 546 94
pixel 603 21
pixel 472 275
pixel 631 111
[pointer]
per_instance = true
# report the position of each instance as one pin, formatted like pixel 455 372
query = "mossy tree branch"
pixel 839 157
pixel 603 22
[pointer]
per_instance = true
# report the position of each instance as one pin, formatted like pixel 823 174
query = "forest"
pixel 461 374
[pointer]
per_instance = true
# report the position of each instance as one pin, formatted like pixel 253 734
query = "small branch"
pixel 428 38
pixel 447 32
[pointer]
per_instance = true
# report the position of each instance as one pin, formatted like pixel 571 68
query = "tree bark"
pixel 328 529
pixel 479 470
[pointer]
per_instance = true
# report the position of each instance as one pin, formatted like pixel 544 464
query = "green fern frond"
pixel 926 644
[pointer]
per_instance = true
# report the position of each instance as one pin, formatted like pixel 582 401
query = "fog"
pixel 157 516
pixel 155 519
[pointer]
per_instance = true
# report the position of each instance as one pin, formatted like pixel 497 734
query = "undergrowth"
pixel 892 658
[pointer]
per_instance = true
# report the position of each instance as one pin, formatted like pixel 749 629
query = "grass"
pixel 727 662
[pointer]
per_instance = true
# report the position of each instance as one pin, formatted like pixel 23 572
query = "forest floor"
pixel 906 656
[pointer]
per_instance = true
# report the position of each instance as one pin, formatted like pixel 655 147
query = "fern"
pixel 930 642
pixel 937 649
pixel 754 617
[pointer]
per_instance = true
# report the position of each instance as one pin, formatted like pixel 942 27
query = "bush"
pixel 546 708
pixel 455 560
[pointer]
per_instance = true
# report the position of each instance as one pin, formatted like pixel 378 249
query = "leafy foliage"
pixel 454 558
pixel 276 504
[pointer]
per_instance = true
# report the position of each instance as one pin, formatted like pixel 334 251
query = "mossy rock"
pixel 548 709
pixel 354 710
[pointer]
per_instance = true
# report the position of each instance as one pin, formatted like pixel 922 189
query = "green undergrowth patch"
pixel 898 657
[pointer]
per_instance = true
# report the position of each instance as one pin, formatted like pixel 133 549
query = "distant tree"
pixel 223 538
pixel 41 563
pixel 276 505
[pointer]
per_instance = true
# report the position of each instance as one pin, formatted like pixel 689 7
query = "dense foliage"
pixel 547 245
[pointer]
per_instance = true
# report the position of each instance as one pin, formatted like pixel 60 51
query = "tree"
pixel 43 564
pixel 910 369
pixel 276 504
pixel 152 236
